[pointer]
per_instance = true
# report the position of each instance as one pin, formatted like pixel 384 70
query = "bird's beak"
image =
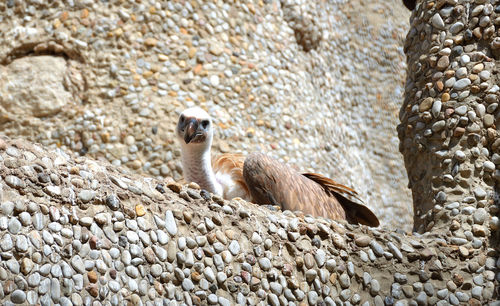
pixel 191 130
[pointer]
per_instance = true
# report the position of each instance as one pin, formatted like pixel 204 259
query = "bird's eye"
pixel 182 118
pixel 205 123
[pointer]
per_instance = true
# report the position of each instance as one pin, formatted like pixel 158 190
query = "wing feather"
pixel 268 177
pixel 269 180
pixel 355 207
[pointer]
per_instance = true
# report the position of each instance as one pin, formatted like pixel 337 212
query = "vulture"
pixel 260 179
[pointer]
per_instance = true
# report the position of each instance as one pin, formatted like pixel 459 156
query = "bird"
pixel 261 179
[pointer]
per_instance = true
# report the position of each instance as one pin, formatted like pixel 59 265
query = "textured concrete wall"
pixel 76 231
pixel 448 131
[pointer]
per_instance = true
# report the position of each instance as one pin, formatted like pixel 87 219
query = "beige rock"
pixel 33 86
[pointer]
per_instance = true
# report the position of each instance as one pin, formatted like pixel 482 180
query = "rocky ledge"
pixel 75 231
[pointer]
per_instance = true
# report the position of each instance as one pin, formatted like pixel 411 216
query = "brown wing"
pixel 232 165
pixel 271 182
pixel 356 211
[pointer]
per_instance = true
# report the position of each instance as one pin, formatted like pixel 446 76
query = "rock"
pixel 34 86
pixel 426 104
pixel 443 63
pixel 437 21
pixel 86 195
pixel 170 223
pixel 18 297
pixel 461 84
pixel 456 27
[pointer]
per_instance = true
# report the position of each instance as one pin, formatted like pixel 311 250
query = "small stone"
pixel 86 195
pixel 436 108
pixel 488 167
pixel 456 27
pixel 140 210
pixel 170 223
pixel 216 49
pixel 462 297
pixel 174 186
pixel 77 264
pixel 150 42
pixel 14 226
pixel 478 280
pixel 312 297
pixel 362 241
pixel 400 278
pixel 426 104
pixel 113 202
pixel 421 298
pixel 265 263
pixel 461 84
pixel 377 248
pixel 256 239
pixel 477 68
pixel 86 221
pixel 453 299
pixel 395 251
pixel 212 299
pixel 344 280
pixel 375 287
pixel 309 260
pixel 55 290
pixel 92 276
pixel 461 110
pixel 214 80
pixel 234 247
pixel 461 73
pixel 437 21
pixel 18 297
pixel 443 62
pixel 429 289
pixel 480 215
pixel 460 155
pixel 438 126
pixel 310 275
pixel 14 182
pixel 320 257
pixel 488 120
pixel 187 284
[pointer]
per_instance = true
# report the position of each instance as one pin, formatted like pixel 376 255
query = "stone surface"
pixel 198 256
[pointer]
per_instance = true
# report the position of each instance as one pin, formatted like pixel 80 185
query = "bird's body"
pixel 228 169
pixel 261 179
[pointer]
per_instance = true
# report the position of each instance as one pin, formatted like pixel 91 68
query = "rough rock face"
pixel 318 86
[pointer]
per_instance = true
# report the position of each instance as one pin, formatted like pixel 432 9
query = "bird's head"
pixel 194 128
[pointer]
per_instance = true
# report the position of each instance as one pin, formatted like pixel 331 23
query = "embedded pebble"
pixel 170 223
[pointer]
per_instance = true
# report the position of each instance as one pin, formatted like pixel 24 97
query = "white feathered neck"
pixel 197 166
